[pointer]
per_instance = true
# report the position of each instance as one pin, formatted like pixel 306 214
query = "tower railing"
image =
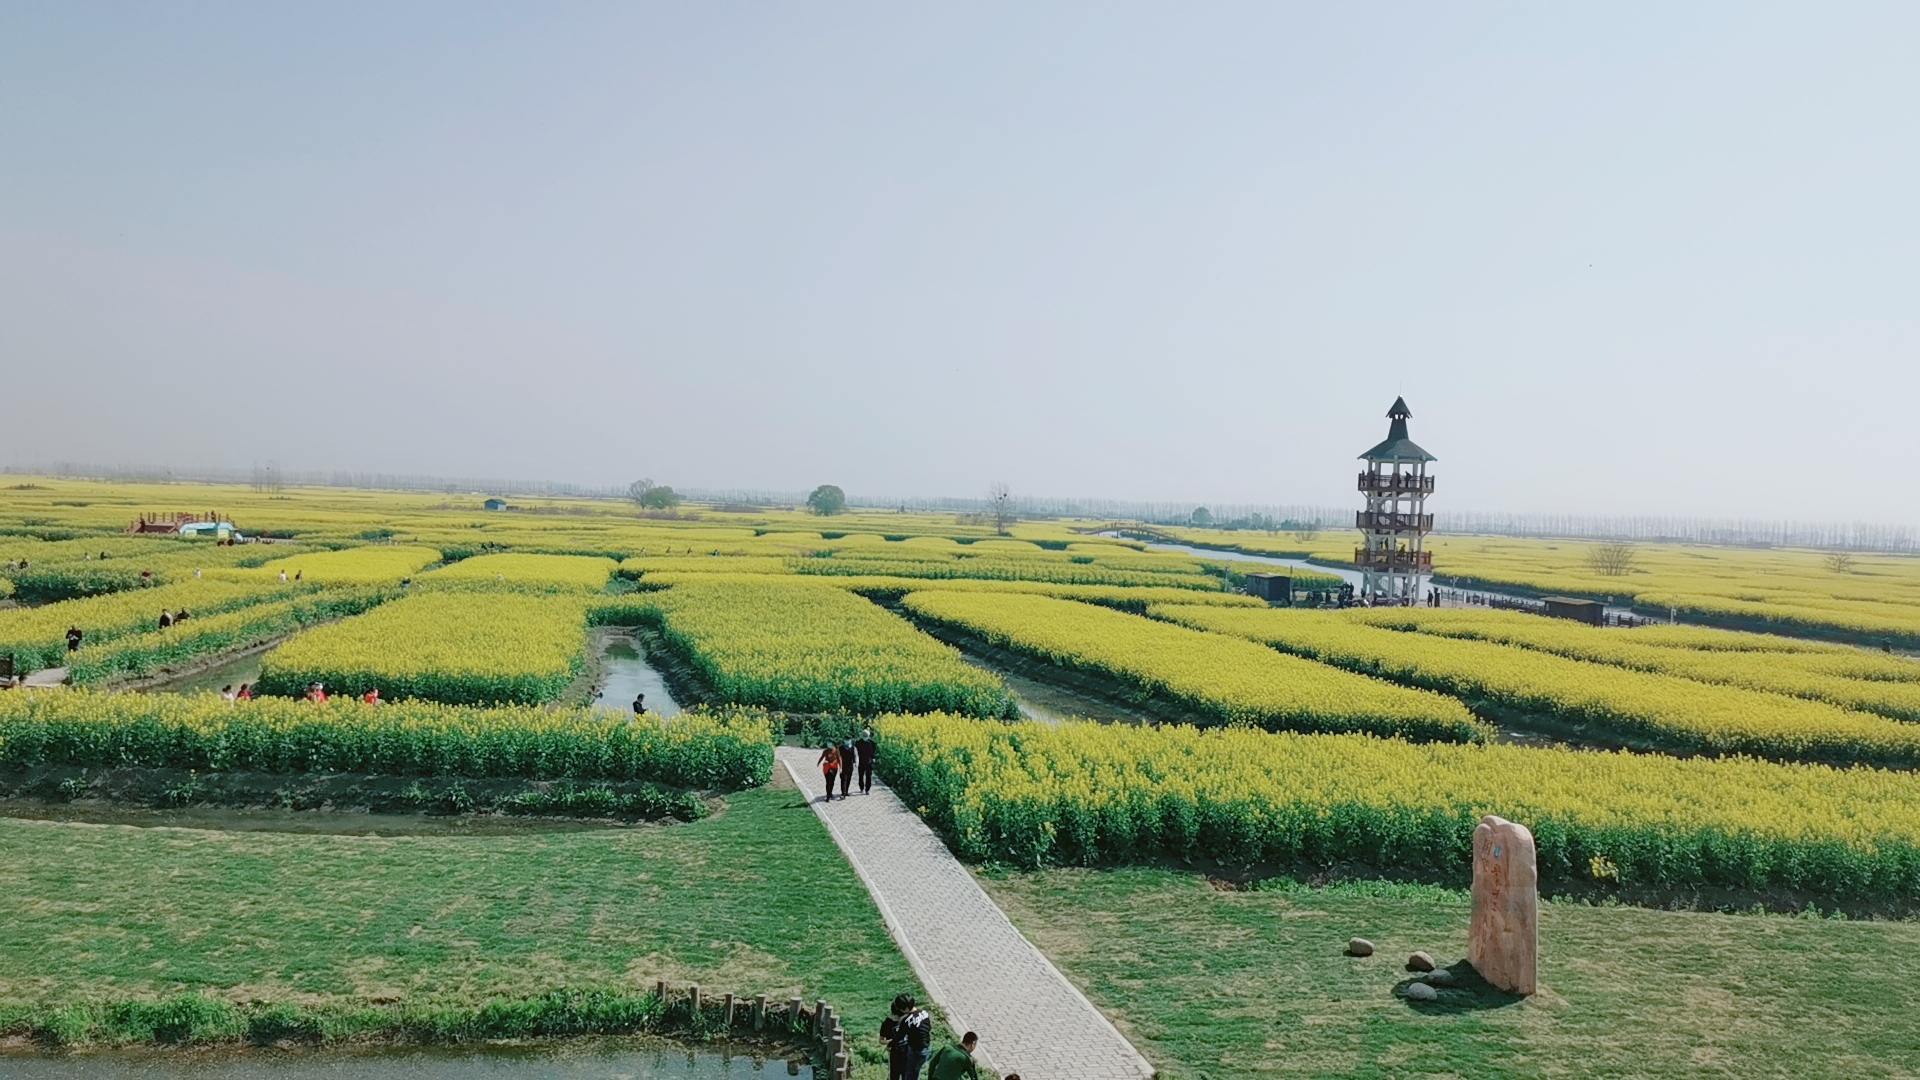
pixel 1404 484
pixel 1393 562
pixel 1363 519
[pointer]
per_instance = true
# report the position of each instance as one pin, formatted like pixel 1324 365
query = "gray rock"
pixel 1421 992
pixel 1420 962
pixel 1440 977
pixel 1359 947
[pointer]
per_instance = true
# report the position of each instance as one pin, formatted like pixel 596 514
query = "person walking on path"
pixel 830 766
pixel 954 1061
pixel 848 756
pixel 865 748
pixel 639 703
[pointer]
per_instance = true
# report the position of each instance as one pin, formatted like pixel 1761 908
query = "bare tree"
pixel 1611 559
pixel 1840 562
pixel 1307 533
pixel 637 491
pixel 1001 500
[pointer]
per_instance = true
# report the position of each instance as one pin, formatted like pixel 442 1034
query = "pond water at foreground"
pixel 628 673
pixel 594 1061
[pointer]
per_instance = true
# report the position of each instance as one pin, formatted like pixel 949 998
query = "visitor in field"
pixel 283 577
pixel 848 756
pixel 954 1061
pixel 182 616
pixel 317 692
pixel 371 697
pixel 74 636
pixel 227 694
pixel 245 694
pixel 830 766
pixel 639 704
pixel 864 749
pixel 166 618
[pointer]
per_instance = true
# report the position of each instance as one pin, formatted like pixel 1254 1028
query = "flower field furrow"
pixel 37 636
pixel 545 573
pixel 198 638
pixel 725 750
pixel 377 564
pixel 795 644
pixel 456 647
pixel 1033 794
pixel 1222 679
pixel 1662 711
pixel 1120 597
pixel 1885 685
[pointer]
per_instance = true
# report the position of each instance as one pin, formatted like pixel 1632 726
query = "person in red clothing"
pixel 371 697
pixel 830 765
pixel 317 692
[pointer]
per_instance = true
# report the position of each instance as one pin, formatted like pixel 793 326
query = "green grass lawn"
pixel 755 900
pixel 1212 983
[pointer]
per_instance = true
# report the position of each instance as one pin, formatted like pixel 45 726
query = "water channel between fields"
pixel 594 1061
pixel 627 673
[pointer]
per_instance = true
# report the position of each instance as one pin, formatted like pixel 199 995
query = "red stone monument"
pixel 1505 935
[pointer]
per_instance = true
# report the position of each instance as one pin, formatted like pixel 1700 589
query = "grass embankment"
pixel 422 936
pixel 1211 983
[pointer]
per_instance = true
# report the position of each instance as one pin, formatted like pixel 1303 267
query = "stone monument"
pixel 1505 938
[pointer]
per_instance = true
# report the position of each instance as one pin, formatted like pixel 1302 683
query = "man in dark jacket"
pixel 866 748
pixel 847 755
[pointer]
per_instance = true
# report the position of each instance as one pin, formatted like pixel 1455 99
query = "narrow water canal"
pixel 628 674
pixel 599 1061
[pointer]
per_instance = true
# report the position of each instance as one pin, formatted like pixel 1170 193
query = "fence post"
pixel 660 991
pixel 728 1009
pixel 793 1012
pixel 822 1017
pixel 693 999
pixel 759 1011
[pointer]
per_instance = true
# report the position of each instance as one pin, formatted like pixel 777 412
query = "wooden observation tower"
pixel 1395 522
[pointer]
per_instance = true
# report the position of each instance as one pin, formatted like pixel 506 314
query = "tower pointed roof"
pixel 1397 447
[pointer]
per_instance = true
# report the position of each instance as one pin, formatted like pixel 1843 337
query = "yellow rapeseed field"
pixel 458 647
pixel 1033 794
pixel 577 573
pixel 1662 711
pixel 1222 679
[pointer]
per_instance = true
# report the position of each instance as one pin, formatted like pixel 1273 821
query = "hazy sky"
pixel 1657 258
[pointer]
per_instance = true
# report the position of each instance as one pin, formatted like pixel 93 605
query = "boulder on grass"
pixel 1359 947
pixel 1420 962
pixel 1421 992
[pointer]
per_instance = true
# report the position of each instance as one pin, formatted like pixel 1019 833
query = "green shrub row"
pixel 194 1019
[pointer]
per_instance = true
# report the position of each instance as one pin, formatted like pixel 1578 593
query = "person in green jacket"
pixel 952 1062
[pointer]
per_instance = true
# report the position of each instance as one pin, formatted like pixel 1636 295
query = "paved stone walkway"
pixel 988 978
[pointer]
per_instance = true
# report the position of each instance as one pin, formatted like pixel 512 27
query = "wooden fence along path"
pixel 971 959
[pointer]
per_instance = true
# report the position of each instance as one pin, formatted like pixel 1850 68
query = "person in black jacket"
pixel 848 754
pixel 908 1034
pixel 864 749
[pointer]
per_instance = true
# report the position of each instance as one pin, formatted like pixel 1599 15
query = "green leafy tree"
pixel 827 500
pixel 1202 517
pixel 661 497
